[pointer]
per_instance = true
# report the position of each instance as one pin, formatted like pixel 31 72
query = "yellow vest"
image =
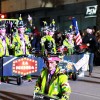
pixel 58 85
pixel 17 45
pixel 2 50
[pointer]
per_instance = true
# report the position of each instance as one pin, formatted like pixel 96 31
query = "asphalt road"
pixel 86 88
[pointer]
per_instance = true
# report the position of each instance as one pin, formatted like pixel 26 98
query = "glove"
pixel 64 97
pixel 37 89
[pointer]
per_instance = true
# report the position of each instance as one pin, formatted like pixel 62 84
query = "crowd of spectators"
pixel 90 38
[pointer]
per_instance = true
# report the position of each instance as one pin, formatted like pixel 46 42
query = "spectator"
pixel 90 40
pixel 58 39
pixel 35 42
pixel 97 53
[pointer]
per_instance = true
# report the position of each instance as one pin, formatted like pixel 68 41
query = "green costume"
pixel 4 51
pixel 48 43
pixel 58 87
pixel 17 46
pixel 69 46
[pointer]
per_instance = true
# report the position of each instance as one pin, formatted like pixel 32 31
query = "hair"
pixel 98 35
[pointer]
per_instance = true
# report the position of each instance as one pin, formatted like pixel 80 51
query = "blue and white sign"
pixel 91 11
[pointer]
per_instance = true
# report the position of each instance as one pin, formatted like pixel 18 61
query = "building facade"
pixel 62 11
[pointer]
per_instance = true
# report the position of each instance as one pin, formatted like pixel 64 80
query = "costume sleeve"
pixel 43 39
pixel 65 87
pixel 27 41
pixel 66 44
pixel 38 84
pixel 8 41
pixel 14 43
pixel 54 46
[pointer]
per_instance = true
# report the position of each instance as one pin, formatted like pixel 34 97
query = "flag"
pixel 78 39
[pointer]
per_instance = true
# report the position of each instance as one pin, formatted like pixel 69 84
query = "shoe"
pixel 81 74
pixel 90 74
pixel 0 82
pixel 30 80
pixel 7 81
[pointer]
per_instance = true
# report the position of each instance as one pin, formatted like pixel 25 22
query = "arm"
pixel 54 46
pixel 38 84
pixel 27 41
pixel 43 39
pixel 65 87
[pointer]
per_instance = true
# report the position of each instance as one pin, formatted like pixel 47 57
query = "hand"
pixel 37 89
pixel 64 98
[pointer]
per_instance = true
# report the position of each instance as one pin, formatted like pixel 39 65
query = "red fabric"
pixel 36 32
pixel 83 46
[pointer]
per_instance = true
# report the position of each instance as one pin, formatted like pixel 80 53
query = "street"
pixel 86 88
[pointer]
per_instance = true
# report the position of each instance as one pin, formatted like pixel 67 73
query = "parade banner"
pixel 78 61
pixel 15 66
pixel 82 62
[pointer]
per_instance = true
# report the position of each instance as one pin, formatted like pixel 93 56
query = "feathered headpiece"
pixel 49 28
pixel 2 24
pixel 30 19
pixel 20 22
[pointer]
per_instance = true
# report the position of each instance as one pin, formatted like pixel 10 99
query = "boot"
pixel 29 78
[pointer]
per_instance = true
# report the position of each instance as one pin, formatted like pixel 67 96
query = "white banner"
pixel 82 63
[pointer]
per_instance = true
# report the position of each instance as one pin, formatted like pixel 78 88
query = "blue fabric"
pixel 36 44
pixel 91 58
pixel 75 25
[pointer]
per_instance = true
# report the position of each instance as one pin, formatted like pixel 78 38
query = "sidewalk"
pixel 95 73
pixel 96 69
pixel 95 78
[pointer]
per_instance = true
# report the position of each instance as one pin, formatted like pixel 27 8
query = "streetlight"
pixel 2 16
